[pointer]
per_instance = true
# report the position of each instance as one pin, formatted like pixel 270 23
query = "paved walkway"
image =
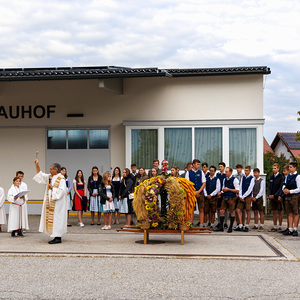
pixel 95 264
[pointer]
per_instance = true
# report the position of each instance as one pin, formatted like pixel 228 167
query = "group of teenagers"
pixel 232 196
pixel 227 195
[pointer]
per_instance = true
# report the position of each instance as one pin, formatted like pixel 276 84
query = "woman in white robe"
pixel 18 217
pixel 57 190
pixel 2 208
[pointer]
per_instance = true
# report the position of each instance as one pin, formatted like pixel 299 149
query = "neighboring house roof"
pixel 267 147
pixel 17 74
pixel 289 140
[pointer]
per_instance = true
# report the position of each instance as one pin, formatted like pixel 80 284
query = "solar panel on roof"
pixel 290 140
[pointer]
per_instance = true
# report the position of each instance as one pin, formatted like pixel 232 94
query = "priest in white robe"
pixel 2 208
pixel 54 211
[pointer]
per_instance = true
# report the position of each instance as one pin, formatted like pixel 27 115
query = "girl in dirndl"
pixel 79 186
pixel 69 189
pixel 107 194
pixel 116 181
pixel 126 203
pixel 94 182
pixel 18 217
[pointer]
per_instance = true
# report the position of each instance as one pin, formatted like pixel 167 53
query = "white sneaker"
pixel 81 224
pixel 104 227
pixel 108 227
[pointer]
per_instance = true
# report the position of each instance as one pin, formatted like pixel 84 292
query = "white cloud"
pixel 162 33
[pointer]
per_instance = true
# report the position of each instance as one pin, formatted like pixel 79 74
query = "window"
pixel 242 146
pixel 144 147
pixel 77 139
pixel 178 146
pixel 98 139
pixel 56 139
pixel 208 145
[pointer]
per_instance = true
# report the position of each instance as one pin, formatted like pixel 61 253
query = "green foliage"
pixel 298 132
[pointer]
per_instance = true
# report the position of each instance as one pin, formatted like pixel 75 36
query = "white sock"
pixel 240 225
pixel 256 225
pixel 262 225
pixel 276 227
pixel 247 225
pixel 205 224
pixel 279 227
pixel 295 228
pixel 290 229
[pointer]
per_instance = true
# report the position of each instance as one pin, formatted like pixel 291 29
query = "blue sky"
pixel 164 34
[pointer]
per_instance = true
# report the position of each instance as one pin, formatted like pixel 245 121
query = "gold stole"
pixel 50 205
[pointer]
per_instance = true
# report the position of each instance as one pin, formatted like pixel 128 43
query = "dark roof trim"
pixel 120 72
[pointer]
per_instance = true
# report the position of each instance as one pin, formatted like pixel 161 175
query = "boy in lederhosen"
pixel 221 175
pixel 245 199
pixel 211 190
pixel 239 174
pixel 229 191
pixel 204 166
pixel 281 197
pixel 292 192
pixel 275 189
pixel 197 177
pixel 257 200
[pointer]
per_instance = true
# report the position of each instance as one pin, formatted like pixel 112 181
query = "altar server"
pixel 18 217
pixel 54 211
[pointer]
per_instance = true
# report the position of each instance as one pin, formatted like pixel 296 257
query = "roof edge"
pixel 100 72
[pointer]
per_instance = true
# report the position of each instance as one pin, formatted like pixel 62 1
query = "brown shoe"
pixel 254 228
pixel 273 229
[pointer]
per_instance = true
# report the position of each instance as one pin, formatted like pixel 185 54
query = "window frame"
pixel 78 128
pixel 225 139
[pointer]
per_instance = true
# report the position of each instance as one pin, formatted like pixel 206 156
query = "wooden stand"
pixel 168 231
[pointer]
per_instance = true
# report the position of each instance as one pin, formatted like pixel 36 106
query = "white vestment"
pixel 60 196
pixel 2 208
pixel 18 216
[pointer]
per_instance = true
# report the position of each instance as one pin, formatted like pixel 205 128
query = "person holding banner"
pixel 54 211
pixel 18 217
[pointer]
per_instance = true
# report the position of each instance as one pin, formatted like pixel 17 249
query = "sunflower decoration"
pixel 181 202
pixel 145 202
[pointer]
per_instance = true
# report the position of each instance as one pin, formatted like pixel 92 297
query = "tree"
pixel 298 132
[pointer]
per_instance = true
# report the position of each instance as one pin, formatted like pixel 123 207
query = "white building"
pixel 285 143
pixel 113 116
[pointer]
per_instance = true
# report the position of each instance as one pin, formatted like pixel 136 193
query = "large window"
pixel 144 147
pixel 242 146
pixel 78 139
pixel 178 146
pixel 208 145
pixel 233 144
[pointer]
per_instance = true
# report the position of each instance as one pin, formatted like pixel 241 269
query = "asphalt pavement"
pixel 95 264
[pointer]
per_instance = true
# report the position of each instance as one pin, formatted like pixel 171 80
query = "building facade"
pixel 113 116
